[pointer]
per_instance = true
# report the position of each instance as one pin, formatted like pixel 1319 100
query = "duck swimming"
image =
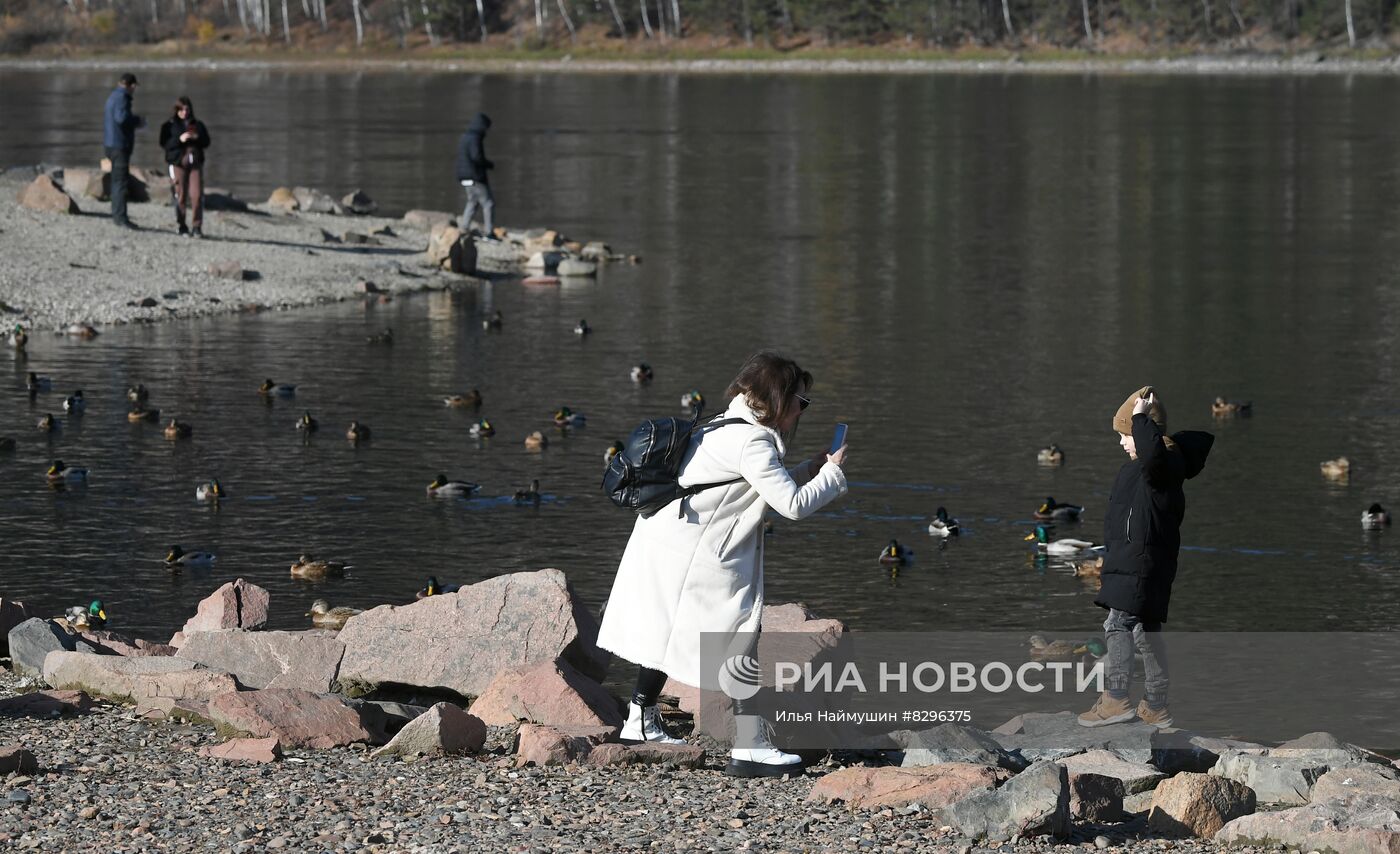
pixel 692 401
pixel 642 373
pixel 357 432
pixel 138 394
pixel 1064 650
pixel 140 414
pixel 433 588
pixel 1088 567
pixel 529 496
pixel 385 337
pixel 1065 546
pixel 613 450
pixel 1338 469
pixel 461 401
pixel 179 557
pixel 1222 408
pixel 272 389
pixel 178 430
pixel 943 525
pixel 310 567
pixel 495 321
pixel 48 424
pixel 1051 456
pixel 566 417
pixel 583 328
pixel 61 473
pixel 19 338
pixel 323 616
pixel 209 492
pixel 1374 518
pixel 1058 511
pixel 482 429
pixel 536 441
pixel 894 554
pixel 441 487
pixel 75 404
pixel 307 424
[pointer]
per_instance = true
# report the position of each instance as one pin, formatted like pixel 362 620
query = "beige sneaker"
pixel 1108 711
pixel 1160 718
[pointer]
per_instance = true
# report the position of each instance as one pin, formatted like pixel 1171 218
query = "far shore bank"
pixel 560 60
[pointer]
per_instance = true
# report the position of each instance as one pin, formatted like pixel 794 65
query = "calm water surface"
pixel 972 267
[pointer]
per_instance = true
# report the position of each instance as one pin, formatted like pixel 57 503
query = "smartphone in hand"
pixel 838 439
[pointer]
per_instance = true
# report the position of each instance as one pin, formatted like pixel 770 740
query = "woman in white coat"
pixel 698 567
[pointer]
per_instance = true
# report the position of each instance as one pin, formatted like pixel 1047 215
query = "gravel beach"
pixel 112 781
pixel 64 269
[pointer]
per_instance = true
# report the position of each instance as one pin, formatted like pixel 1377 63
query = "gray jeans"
pixel 1124 632
pixel 478 194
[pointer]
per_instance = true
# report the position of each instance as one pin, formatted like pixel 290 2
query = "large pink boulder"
pixel 1198 805
pixel 929 785
pixel 550 745
pixel 44 195
pixel 443 730
pixel 307 660
pixel 549 692
pixel 295 718
pixel 460 641
pixel 236 605
pixel 1362 825
pixel 132 680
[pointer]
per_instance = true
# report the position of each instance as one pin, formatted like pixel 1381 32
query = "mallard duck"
pixel 323 616
pixel 7 445
pixel 441 487
pixel 210 492
pixel 536 441
pixel 178 430
pixel 566 417
pixel 943 525
pixel 138 394
pixel 1065 546
pixel 1338 469
pixel 82 330
pixel 494 321
pixel 1051 456
pixel 310 567
pixel 385 337
pixel 61 473
pixel 894 554
pixel 613 450
pixel 307 424
pixel 692 401
pixel 179 557
pixel 482 429
pixel 1057 650
pixel 461 401
pixel 1222 408
pixel 433 588
pixel 35 383
pixel 1375 517
pixel 583 328
pixel 75 404
pixel 48 424
pixel 528 496
pixel 140 414
pixel 642 373
pixel 272 389
pixel 1058 511
pixel 1088 567
pixel 19 338
pixel 94 616
pixel 357 432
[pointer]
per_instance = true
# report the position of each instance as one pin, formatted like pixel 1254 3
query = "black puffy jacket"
pixel 170 133
pixel 1142 528
pixel 472 164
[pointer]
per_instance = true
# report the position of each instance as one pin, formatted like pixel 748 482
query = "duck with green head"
pixel 441 487
pixel 92 617
pixel 179 557
pixel 434 588
pixel 943 525
pixel 482 429
pixel 565 417
pixel 1064 546
pixel 211 491
pixel 59 472
pixel 1058 511
pixel 894 554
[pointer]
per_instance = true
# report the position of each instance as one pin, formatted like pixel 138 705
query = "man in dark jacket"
pixel 119 138
pixel 472 168
pixel 1142 533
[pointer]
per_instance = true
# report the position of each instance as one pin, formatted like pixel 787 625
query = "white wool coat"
pixel 701 569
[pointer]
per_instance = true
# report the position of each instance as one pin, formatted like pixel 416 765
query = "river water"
pixel 972 266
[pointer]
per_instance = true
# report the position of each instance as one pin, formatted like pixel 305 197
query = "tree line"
pixel 780 24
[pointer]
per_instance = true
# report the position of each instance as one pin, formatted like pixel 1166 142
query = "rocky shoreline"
pixel 232 738
pixel 67 268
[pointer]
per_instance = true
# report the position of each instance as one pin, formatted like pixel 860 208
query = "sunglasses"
pixel 802 403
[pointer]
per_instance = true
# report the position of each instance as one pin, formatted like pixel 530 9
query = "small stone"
pixel 1101 842
pixel 149 302
pixel 18 796
pixel 87 812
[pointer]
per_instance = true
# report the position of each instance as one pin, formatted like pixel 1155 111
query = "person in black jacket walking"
pixel 472 168
pixel 184 139
pixel 1142 532
pixel 119 126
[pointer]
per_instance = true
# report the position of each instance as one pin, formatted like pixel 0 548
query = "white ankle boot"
pixel 759 758
pixel 645 724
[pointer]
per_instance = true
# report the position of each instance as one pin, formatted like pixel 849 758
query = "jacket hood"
pixel 739 408
pixel 479 123
pixel 1194 446
pixel 1123 418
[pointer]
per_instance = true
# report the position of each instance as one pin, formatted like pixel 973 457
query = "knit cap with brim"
pixel 1123 418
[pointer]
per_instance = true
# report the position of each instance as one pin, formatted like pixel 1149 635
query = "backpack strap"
pixel 701 487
